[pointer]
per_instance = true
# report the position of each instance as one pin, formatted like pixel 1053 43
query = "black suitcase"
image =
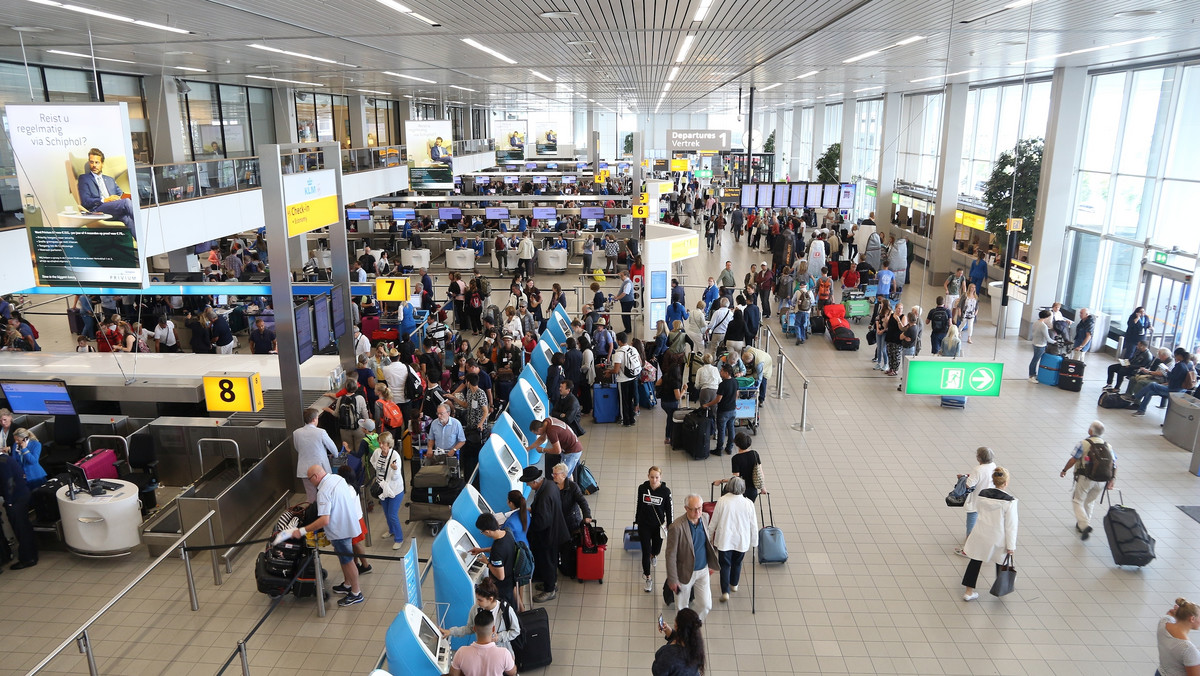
pixel 532 647
pixel 44 500
pixel 1072 367
pixel 817 323
pixel 844 339
pixel 438 496
pixel 1128 539
pixel 270 579
pixel 1069 383
pixel 75 320
pixel 677 432
pixel 694 431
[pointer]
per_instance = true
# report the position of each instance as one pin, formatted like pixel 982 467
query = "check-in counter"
pixel 552 260
pixel 414 258
pixel 456 571
pixel 460 259
pixel 101 525
pixel 501 462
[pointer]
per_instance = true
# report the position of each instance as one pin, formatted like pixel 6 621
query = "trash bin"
pixel 1015 308
pixel 1182 422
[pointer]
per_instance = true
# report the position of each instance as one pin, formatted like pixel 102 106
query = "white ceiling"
pixel 630 46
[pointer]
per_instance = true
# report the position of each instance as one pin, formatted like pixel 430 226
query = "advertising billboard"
pixel 83 227
pixel 430 163
pixel 545 139
pixel 510 144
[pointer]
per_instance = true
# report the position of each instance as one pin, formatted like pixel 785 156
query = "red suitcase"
pixel 370 325
pixel 384 334
pixel 589 558
pixel 101 464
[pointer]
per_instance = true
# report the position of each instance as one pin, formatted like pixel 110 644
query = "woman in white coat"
pixel 732 529
pixel 386 462
pixel 995 535
pixel 980 479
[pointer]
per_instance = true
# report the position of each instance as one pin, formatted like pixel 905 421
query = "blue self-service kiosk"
pixel 540 360
pixel 517 438
pixel 500 465
pixel 415 646
pixel 466 509
pixel 558 324
pixel 528 401
pixel 456 571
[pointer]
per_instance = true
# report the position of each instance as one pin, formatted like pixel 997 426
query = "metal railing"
pixel 781 358
pixel 80 636
pixel 366 159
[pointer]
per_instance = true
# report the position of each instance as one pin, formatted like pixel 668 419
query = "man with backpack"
pixel 938 320
pixel 625 369
pixel 502 556
pixel 1095 470
pixel 350 408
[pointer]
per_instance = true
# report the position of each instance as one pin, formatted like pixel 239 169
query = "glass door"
pixel 1166 300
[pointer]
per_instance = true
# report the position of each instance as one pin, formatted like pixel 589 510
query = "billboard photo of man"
pixel 99 194
pixel 510 147
pixel 430 160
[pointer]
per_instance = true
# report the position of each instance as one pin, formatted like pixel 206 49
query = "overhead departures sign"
pixel 699 139
pixel 311 201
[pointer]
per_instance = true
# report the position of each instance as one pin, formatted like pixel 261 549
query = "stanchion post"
pixel 85 647
pixel 320 581
pixel 191 580
pixel 779 380
pixel 245 658
pixel 216 560
pixel 363 499
pixel 804 409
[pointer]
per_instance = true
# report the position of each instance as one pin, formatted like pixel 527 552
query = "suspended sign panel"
pixel 311 201
pixel 699 139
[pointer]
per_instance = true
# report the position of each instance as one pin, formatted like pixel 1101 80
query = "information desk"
pixel 101 525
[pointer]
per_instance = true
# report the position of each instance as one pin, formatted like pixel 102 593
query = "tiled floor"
pixel 872 586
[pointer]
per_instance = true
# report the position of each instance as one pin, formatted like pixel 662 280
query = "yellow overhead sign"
pixel 685 248
pixel 233 392
pixel 644 198
pixel 310 201
pixel 974 221
pixel 641 211
pixel 679 165
pixel 392 289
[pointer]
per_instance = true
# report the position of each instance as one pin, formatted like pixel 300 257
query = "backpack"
pixel 1098 464
pixel 824 288
pixel 1189 379
pixel 939 319
pixel 347 412
pixel 413 387
pixel 485 287
pixel 392 417
pixel 630 370
pixel 523 561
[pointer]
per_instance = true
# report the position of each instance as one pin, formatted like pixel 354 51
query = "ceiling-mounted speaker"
pixel 370 101
pixel 302 96
pixel 181 86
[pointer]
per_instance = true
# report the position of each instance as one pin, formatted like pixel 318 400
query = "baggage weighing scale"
pixel 514 435
pixel 500 467
pixel 415 646
pixel 456 571
pixel 467 507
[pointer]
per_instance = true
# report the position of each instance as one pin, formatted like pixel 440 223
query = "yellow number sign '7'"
pixel 392 288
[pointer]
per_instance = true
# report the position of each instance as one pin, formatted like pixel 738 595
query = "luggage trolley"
pixel 746 411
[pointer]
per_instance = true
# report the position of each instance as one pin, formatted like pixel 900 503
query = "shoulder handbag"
pixel 1006 577
pixel 377 487
pixel 759 480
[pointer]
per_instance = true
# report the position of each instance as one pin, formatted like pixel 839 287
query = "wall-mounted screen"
pixel 28 397
pixel 511 180
pixel 796 196
pixel 580 166
pixel 781 196
pixel 449 213
pixel 304 333
pixel 357 214
pixel 531 166
pixel 404 214
pixel 812 199
pixel 552 165
pixel 545 212
pixel 458 180
pixel 495 213
pixel 539 180
pixel 510 167
pixel 748 195
pixel 846 195
pixel 321 322
pixel 591 212
pixel 568 179
pixel 829 195
pixel 764 195
pixel 339 312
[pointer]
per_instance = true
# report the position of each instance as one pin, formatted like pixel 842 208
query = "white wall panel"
pixel 15 245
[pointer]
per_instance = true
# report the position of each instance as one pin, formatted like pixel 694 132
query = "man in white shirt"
pixel 313 447
pixel 718 325
pixel 340 514
pixel 397 374
pixel 362 346
pixel 625 356
pixel 626 298
pixel 525 255
pixel 164 335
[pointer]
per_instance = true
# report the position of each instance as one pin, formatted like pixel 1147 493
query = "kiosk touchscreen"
pixel 467 507
pixel 540 359
pixel 558 324
pixel 415 646
pixel 511 431
pixel 501 462
pixel 456 571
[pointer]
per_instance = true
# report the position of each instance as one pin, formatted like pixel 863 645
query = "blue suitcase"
pixel 954 402
pixel 771 545
pixel 605 407
pixel 633 540
pixel 1048 369
pixel 646 396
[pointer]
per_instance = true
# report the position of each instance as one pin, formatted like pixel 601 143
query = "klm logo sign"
pixel 311 188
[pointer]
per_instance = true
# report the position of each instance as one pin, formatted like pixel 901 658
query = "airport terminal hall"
pixel 667 337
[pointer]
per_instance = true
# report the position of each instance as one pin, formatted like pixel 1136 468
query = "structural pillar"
pixel 818 140
pixel 849 127
pixel 889 139
pixel 283 102
pixel 358 123
pixel 941 235
pixel 163 114
pixel 797 139
pixel 1067 107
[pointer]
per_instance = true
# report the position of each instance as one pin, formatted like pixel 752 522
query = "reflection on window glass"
pixel 1104 119
pixel 833 126
pixel 306 117
pixel 1127 220
pixel 1081 269
pixel 1185 141
pixel 1141 122
pixel 69 86
pixel 128 89
pixel 1124 264
pixel 205 121
pixel 1091 199
pixel 805 156
pixel 1176 223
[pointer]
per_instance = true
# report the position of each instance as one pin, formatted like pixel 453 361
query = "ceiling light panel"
pixel 91 11
pixel 808 74
pixel 86 56
pixel 543 76
pixel 488 50
pixel 673 74
pixel 946 75
pixel 770 86
pixel 684 48
pixel 465 89
pixel 300 55
pixel 279 79
pixel 409 77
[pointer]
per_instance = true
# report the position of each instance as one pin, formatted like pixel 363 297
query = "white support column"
pixel 284 103
pixel 1067 107
pixel 849 125
pixel 889 139
pixel 941 236
pixel 165 117
pixel 818 138
pixel 358 122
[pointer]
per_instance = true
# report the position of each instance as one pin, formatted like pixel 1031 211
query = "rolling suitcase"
pixel 817 324
pixel 1048 369
pixel 589 555
pixel 44 501
pixel 844 339
pixel 100 464
pixel 1128 539
pixel 532 647
pixel 632 539
pixel 771 545
pixel 646 395
pixel 423 511
pixel 694 435
pixel 1070 375
pixel 370 325
pixel 75 320
pixel 954 402
pixel 604 403
pixel 710 506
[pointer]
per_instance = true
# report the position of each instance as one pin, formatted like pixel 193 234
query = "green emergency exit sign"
pixel 953 378
pixel 1160 257
pixel 704 173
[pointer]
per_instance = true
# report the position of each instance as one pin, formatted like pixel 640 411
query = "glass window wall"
pixel 225 121
pixel 867 133
pixel 920 138
pixel 322 117
pixel 805 158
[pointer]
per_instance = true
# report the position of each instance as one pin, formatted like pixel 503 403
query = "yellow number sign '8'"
pixel 229 391
pixel 392 288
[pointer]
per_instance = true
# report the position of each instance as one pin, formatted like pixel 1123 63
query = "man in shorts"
pixel 340 514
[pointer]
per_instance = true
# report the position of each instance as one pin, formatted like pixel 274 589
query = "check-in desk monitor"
pixel 466 509
pixel 500 465
pixel 415 647
pixel 456 571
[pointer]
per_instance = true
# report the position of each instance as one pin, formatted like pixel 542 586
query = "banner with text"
pixel 83 226
pixel 697 140
pixel 311 201
pixel 430 162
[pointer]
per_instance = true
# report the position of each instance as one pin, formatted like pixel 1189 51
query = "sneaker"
pixel 1087 533
pixel 966 597
pixel 359 598
pixel 649 583
pixel 342 588
pixel 1138 414
pixel 365 570
pixel 724 598
pixel 653 561
pixel 386 535
pixel 733 587
pixel 1033 379
pixel 546 596
pixel 397 545
pixel 960 552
